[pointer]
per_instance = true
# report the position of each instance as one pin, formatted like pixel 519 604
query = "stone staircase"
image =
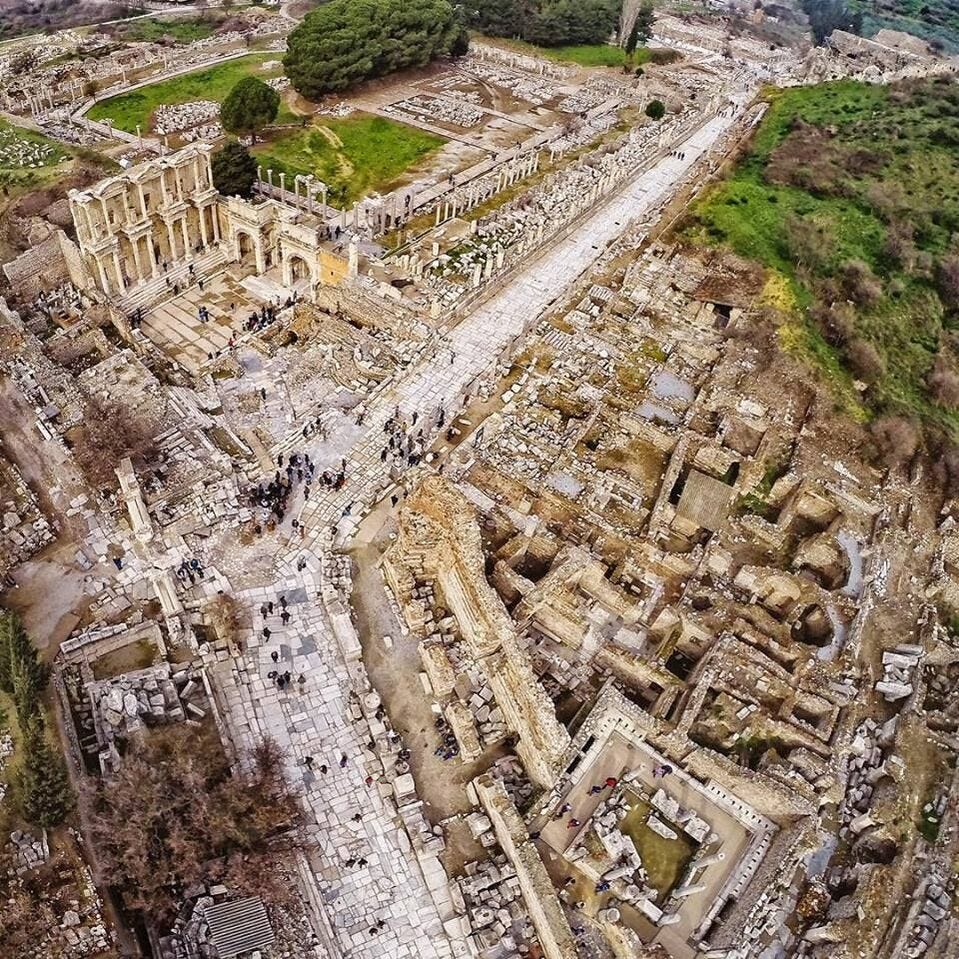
pixel 148 294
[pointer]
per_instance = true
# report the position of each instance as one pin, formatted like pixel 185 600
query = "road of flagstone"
pixel 317 719
pixel 478 340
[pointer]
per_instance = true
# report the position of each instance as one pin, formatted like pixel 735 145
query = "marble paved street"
pixel 230 298
pixel 363 870
pixel 321 718
pixel 477 341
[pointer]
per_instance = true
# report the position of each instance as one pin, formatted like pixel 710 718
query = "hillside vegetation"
pixel 849 195
pixel 934 20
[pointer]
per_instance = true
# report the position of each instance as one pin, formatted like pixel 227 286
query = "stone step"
pixel 153 291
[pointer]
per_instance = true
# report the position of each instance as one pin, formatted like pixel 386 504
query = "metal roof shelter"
pixel 239 926
pixel 705 501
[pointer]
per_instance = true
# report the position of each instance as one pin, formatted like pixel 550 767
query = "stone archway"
pixel 245 247
pixel 297 272
pixel 299 269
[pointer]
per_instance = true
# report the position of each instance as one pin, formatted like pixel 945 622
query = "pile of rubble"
pixel 866 768
pixel 6 751
pixel 936 906
pixel 150 696
pixel 24 529
pixel 898 666
pixel 174 118
pixel 60 125
pixel 337 110
pixel 437 110
pixel 495 906
pixel 28 851
pixel 524 87
pixel 21 152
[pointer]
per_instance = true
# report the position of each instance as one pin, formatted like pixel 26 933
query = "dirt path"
pixel 395 674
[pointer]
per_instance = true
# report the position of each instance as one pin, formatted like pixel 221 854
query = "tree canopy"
pixel 249 106
pixel 174 815
pixel 42 786
pixel 347 41
pixel 656 109
pixel 642 27
pixel 548 23
pixel 234 170
pixel 22 675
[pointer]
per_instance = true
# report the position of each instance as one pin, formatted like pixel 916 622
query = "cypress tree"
pixel 43 786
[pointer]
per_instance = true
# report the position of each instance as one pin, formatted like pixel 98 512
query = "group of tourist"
pixel 404 446
pixel 190 569
pixel 448 747
pixel 267 314
pixel 274 496
pixel 283 679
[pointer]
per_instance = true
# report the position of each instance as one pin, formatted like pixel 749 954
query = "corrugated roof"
pixel 705 501
pixel 239 926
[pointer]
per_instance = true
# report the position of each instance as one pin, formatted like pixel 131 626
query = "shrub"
pixel 866 361
pixel 896 439
pixel 656 109
pixel 861 285
pixel 175 815
pixel 943 382
pixel 947 280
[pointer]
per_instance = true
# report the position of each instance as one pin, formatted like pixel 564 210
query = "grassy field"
pixel 595 55
pixel 353 156
pixel 213 83
pixel 180 29
pixel 586 55
pixel 16 173
pixel 663 859
pixel 850 196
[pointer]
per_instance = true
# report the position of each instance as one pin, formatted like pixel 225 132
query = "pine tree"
pixel 234 170
pixel 22 674
pixel 43 786
pixel 249 106
pixel 643 26
pixel 8 623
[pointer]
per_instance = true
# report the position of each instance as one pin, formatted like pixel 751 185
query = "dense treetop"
pixel 234 170
pixel 347 41
pixel 250 106
pixel 549 23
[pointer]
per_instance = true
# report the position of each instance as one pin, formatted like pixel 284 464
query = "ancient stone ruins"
pixel 583 628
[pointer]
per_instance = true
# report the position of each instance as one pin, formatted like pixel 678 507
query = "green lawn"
pixel 585 55
pixel 857 161
pixel 354 156
pixel 664 860
pixel 213 83
pixel 180 29
pixel 18 168
pixel 593 55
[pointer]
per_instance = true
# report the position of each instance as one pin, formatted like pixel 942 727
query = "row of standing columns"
pixel 134 223
pixel 311 188
pixel 473 194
